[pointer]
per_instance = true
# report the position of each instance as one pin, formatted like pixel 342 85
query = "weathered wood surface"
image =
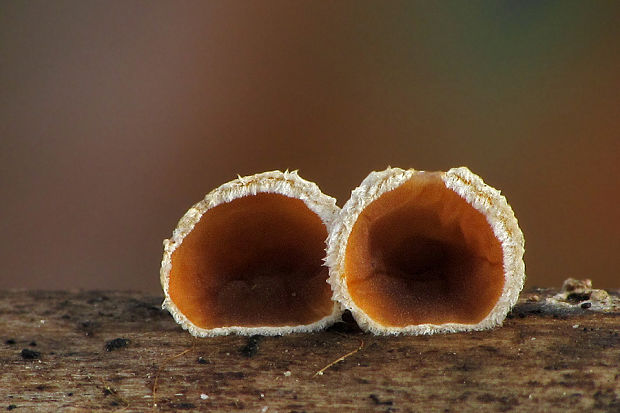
pixel 541 360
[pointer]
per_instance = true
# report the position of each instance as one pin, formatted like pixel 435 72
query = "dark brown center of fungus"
pixel 254 261
pixel 421 254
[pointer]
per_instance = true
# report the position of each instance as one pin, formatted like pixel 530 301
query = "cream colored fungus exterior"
pixel 480 196
pixel 286 183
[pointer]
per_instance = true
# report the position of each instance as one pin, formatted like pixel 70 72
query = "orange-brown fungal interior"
pixel 255 261
pixel 421 254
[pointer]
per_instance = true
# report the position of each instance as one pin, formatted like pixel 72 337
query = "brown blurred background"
pixel 115 117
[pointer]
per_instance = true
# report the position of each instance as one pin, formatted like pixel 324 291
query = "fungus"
pixel 424 252
pixel 248 259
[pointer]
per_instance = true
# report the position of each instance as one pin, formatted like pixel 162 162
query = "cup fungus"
pixel 425 252
pixel 248 259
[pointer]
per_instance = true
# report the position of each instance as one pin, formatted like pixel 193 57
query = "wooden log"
pixel 58 353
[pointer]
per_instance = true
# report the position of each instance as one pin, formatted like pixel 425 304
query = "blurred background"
pixel 115 117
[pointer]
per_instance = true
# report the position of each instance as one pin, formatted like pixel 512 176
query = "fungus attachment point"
pixel 248 259
pixel 424 252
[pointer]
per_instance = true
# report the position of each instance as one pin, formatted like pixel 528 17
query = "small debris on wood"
pixel 202 360
pixel 572 285
pixel 28 354
pixel 577 297
pixel 154 389
pixel 88 327
pixel 183 406
pixel 377 401
pixel 111 391
pixel 97 299
pixel 533 298
pixel 338 360
pixel 346 326
pixel 117 343
pixel 251 348
pixel 10 341
pixel 11 407
pixel 32 344
pixel 577 294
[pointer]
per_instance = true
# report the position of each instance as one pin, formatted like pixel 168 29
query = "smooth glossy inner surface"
pixel 421 254
pixel 255 261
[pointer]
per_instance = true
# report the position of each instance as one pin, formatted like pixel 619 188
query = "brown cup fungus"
pixel 425 252
pixel 248 259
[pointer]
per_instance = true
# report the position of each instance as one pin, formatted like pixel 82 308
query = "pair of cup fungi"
pixel 411 252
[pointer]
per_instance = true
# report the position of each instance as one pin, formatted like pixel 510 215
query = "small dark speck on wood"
pixel 251 347
pixel 28 354
pixel 377 401
pixel 577 297
pixel 116 344
pixel 183 406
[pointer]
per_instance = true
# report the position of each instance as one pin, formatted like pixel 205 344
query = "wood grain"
pixel 543 359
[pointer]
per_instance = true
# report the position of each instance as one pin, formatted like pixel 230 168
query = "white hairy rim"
pixel 480 196
pixel 277 182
